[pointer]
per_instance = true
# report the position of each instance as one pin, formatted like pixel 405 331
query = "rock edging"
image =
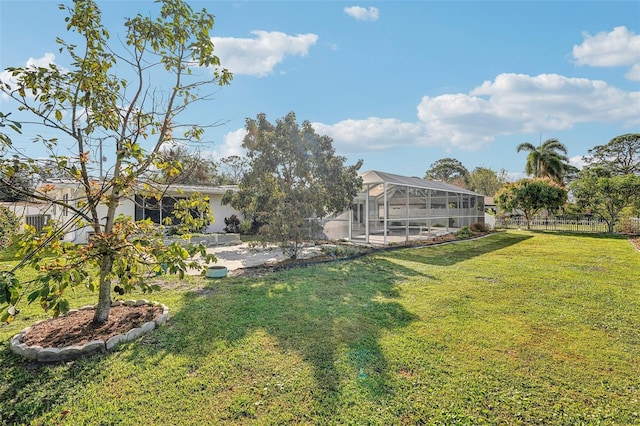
pixel 40 354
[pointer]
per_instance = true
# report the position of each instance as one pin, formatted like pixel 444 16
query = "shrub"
pixel 246 226
pixel 464 232
pixel 340 250
pixel 250 226
pixel 232 224
pixel 478 227
pixel 171 231
pixel 629 226
pixel 9 226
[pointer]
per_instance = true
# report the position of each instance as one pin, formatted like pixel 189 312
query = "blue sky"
pixel 400 84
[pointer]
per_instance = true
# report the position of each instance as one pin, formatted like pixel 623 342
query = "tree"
pixel 486 181
pixel 606 197
pixel 187 168
pixel 549 159
pixel 530 196
pixel 16 184
pixel 621 156
pixel 9 226
pixel 233 168
pixel 294 179
pixel 105 95
pixel 448 170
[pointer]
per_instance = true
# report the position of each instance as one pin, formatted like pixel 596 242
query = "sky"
pixel 398 84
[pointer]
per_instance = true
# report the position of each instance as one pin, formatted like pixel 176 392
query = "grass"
pixel 515 328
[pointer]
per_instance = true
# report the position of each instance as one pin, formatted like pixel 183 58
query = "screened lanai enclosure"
pixel 392 208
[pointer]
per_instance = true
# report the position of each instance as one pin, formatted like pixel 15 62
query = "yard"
pixel 515 328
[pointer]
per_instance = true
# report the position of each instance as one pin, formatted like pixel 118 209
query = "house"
pixel 30 212
pixel 136 206
pixel 394 208
pixel 389 208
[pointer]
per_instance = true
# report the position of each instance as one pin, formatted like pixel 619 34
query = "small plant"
pixel 232 224
pixel 629 226
pixel 464 232
pixel 9 225
pixel 478 227
pixel 340 250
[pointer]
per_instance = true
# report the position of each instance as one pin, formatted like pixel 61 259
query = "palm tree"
pixel 546 160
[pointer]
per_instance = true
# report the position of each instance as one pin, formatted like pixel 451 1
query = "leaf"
pixel 58 115
pixel 33 296
pixel 6 318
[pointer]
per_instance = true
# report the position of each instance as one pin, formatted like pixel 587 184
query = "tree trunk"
pixel 104 292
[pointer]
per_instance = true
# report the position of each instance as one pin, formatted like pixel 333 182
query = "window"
pixel 156 210
pixel 65 209
pixel 37 221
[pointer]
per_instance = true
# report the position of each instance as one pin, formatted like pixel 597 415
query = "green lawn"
pixel 514 328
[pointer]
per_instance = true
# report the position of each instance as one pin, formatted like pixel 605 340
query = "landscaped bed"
pixel 514 328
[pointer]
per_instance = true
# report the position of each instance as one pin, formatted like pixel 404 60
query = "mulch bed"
pixel 76 328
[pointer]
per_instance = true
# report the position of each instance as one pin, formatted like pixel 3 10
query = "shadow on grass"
pixel 452 253
pixel 319 313
pixel 327 315
pixel 30 389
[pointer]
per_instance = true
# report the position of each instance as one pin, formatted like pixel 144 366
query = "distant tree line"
pixel 607 187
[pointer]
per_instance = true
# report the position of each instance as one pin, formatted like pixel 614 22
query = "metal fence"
pixel 561 223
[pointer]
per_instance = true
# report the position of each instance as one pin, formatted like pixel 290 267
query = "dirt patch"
pixel 76 328
pixel 261 270
pixel 635 242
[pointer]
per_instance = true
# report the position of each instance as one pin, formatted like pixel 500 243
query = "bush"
pixel 478 227
pixel 629 226
pixel 464 232
pixel 340 250
pixel 9 227
pixel 250 226
pixel 232 224
pixel 246 227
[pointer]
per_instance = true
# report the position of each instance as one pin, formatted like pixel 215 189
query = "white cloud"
pixel 577 161
pixel 634 73
pixel 615 48
pixel 620 47
pixel 44 61
pixel 362 13
pixel 516 176
pixel 519 103
pixel 258 56
pixel 48 58
pixel 372 134
pixel 232 145
pixel 512 104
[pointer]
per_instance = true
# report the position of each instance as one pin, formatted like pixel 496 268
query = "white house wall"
pixel 127 207
pixel 23 209
pixel 71 193
pixel 219 213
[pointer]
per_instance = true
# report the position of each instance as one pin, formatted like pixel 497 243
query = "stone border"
pixel 40 354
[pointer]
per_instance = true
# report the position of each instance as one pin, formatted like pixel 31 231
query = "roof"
pixel 203 189
pixel 376 177
pixel 172 189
